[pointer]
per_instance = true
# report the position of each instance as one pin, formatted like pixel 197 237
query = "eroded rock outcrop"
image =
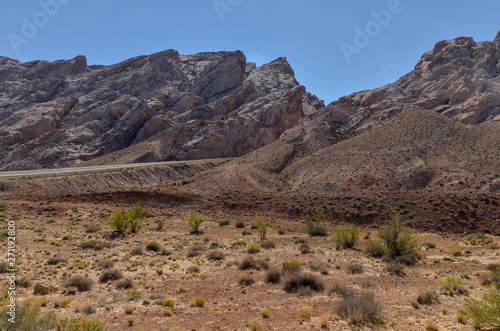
pixel 458 78
pixel 207 105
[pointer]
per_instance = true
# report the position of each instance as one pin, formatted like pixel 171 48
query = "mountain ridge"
pixel 63 113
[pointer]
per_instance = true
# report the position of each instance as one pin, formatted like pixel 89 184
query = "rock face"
pixel 438 126
pixel 458 78
pixel 207 105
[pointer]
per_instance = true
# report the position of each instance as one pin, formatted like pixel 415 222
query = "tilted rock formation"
pixel 458 78
pixel 440 122
pixel 163 106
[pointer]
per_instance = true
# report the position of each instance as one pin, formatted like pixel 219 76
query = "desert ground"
pixel 128 283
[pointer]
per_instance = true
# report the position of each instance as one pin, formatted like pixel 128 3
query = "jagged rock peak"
pixel 497 38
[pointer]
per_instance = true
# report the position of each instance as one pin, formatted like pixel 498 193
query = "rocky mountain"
pixel 164 106
pixel 458 78
pixel 438 126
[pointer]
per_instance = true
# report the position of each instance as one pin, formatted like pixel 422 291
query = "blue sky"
pixel 321 38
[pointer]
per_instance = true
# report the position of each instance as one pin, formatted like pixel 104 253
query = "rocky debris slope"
pixel 171 106
pixel 145 177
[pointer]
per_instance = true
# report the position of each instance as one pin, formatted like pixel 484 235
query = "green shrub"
pixel 375 248
pixel 153 246
pixel 254 248
pixel 291 267
pixel 239 224
pixel 194 221
pixel 262 224
pixel 95 244
pixel 134 217
pixel 456 252
pixel 315 223
pixel 119 221
pixel 224 222
pixel 79 324
pixel 251 263
pixel 298 280
pixel 159 225
pixel 28 317
pixel 398 239
pixel 361 308
pixel 215 255
pixel 346 236
pixel 122 220
pixel 485 312
pixel 80 282
pixel 134 294
pixel 452 285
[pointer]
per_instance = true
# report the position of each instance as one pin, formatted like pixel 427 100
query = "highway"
pixel 41 172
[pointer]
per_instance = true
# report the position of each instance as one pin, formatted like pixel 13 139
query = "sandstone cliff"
pixel 164 106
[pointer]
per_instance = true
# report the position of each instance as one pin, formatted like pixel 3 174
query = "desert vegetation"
pixel 334 274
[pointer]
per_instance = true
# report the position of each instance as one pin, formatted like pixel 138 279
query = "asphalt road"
pixel 23 173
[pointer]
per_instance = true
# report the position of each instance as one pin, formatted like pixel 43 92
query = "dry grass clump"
pixel 251 263
pixel 298 281
pixel 55 260
pixel 341 290
pixel 112 274
pixel 215 255
pixel 197 302
pixel 452 285
pixel 355 268
pixel 360 308
pixel 80 282
pixel 304 313
pixel 267 244
pixel 124 283
pixel 428 298
pixel 291 267
pixel 273 276
pixel 246 280
pixel 95 244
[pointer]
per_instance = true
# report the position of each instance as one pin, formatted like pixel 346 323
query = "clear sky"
pixel 336 47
